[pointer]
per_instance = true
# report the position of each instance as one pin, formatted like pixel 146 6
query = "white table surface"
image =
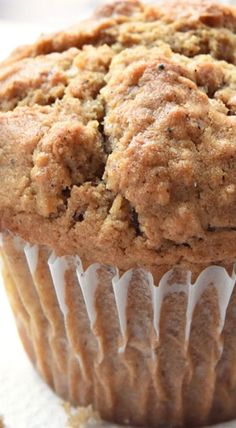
pixel 25 401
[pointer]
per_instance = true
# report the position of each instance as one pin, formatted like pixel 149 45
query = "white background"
pixel 25 402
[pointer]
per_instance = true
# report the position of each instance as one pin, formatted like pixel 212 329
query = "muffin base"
pixel 141 355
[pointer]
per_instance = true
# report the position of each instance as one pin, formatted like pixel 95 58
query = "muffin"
pixel 118 210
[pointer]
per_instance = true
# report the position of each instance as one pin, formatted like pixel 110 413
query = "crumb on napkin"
pixel 77 418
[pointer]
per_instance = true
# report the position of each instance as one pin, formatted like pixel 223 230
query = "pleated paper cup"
pixel 142 354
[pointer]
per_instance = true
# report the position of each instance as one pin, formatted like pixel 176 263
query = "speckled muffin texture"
pixel 118 137
pixel 118 144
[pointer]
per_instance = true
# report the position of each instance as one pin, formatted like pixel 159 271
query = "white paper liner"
pixel 224 285
pixel 31 254
pixel 215 276
pixel 120 291
pixel 88 284
pixel 58 267
pixel 88 280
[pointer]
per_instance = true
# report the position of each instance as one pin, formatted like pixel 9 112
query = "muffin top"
pixel 118 137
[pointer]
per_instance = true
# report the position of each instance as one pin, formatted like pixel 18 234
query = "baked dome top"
pixel 118 137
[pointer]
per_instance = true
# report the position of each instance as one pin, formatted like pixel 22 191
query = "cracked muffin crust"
pixel 118 137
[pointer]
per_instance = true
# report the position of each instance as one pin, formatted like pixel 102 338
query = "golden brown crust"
pixel 118 137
